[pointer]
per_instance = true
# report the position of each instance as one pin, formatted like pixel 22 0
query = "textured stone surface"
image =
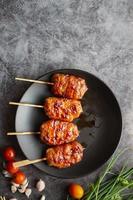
pixel 41 35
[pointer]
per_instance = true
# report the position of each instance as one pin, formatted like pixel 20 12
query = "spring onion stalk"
pixel 114 187
pixel 109 167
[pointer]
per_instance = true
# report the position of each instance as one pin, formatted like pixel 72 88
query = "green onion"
pixel 114 187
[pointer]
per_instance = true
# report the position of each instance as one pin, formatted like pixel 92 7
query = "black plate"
pixel 100 125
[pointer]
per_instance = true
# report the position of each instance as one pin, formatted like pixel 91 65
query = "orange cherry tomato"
pixel 11 168
pixel 19 177
pixel 9 154
pixel 76 191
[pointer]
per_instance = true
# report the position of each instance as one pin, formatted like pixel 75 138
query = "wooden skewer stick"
pixel 25 104
pixel 23 133
pixel 23 163
pixel 33 81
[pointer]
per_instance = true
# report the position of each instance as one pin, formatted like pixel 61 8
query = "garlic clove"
pixel 13 199
pixel 25 182
pixel 24 186
pixel 6 174
pixel 13 188
pixel 43 197
pixel 15 184
pixel 28 192
pixel 22 190
pixel 40 185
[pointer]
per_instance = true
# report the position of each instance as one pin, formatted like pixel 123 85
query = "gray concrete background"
pixel 37 36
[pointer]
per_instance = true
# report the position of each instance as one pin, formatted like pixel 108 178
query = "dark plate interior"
pixel 100 125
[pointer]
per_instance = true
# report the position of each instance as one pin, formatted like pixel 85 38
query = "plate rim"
pixel 121 123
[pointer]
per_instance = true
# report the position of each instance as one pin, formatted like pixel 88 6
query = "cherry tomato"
pixel 76 191
pixel 19 177
pixel 9 154
pixel 11 168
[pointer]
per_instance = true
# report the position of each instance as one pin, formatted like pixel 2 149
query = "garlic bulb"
pixel 40 185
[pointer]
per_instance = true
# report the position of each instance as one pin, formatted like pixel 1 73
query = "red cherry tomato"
pixel 11 168
pixel 9 154
pixel 19 177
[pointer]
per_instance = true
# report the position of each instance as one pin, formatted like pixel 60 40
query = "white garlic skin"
pixel 25 182
pixel 21 190
pixel 13 199
pixel 13 188
pixel 40 185
pixel 42 197
pixel 23 187
pixel 28 192
pixel 6 174
pixel 15 184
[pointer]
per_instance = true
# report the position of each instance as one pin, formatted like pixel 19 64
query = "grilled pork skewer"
pixel 58 108
pixel 62 156
pixel 54 132
pixel 64 85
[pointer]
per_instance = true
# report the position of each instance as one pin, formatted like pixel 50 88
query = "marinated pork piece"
pixel 69 86
pixel 54 132
pixel 62 109
pixel 65 155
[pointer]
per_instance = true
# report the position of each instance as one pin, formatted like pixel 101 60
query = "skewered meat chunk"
pixel 62 109
pixel 54 132
pixel 68 86
pixel 65 155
